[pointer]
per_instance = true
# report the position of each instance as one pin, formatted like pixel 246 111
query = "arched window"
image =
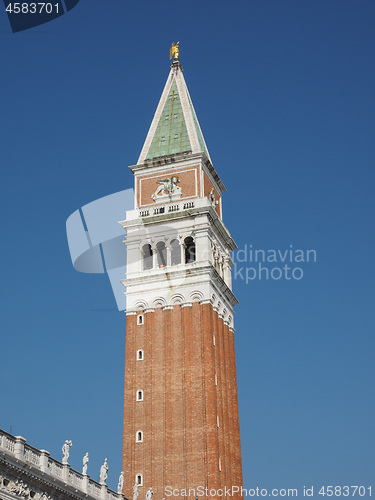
pixel 139 437
pixel 147 255
pixel 140 319
pixel 139 479
pixel 140 355
pixel 161 250
pixel 175 253
pixel 189 250
pixel 140 395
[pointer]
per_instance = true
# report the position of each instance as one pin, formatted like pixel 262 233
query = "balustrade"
pixel 176 207
pixel 16 449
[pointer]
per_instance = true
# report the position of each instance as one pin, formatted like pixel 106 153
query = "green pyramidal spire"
pixel 175 127
pixel 171 134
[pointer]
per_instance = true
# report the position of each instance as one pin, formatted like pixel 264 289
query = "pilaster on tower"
pixel 181 424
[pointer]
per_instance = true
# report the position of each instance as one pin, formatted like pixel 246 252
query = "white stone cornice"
pixel 170 286
pixel 205 301
pixel 149 310
pixel 219 308
pixel 177 299
pixel 202 210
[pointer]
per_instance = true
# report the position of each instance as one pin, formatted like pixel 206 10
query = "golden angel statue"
pixel 174 51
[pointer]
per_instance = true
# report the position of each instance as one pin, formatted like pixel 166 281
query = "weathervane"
pixel 174 51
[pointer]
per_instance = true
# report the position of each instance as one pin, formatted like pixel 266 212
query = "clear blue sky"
pixel 284 91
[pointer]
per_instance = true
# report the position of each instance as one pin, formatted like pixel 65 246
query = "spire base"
pixel 176 65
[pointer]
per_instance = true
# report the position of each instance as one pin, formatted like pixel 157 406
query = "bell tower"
pixel 181 422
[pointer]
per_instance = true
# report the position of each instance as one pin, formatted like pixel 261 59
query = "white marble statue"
pixel 104 472
pixel 85 461
pixel 135 492
pixel 168 190
pixel 149 494
pixel 66 450
pixel 120 482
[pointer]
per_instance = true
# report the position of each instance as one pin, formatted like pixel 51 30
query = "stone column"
pixel 103 492
pixel 65 473
pixel 182 246
pixel 44 460
pixel 85 484
pixel 203 250
pixel 169 254
pixel 3 441
pixel 19 448
pixel 154 257
pixel 228 270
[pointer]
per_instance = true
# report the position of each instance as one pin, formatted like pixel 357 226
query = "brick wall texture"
pixel 189 413
pixel 190 184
